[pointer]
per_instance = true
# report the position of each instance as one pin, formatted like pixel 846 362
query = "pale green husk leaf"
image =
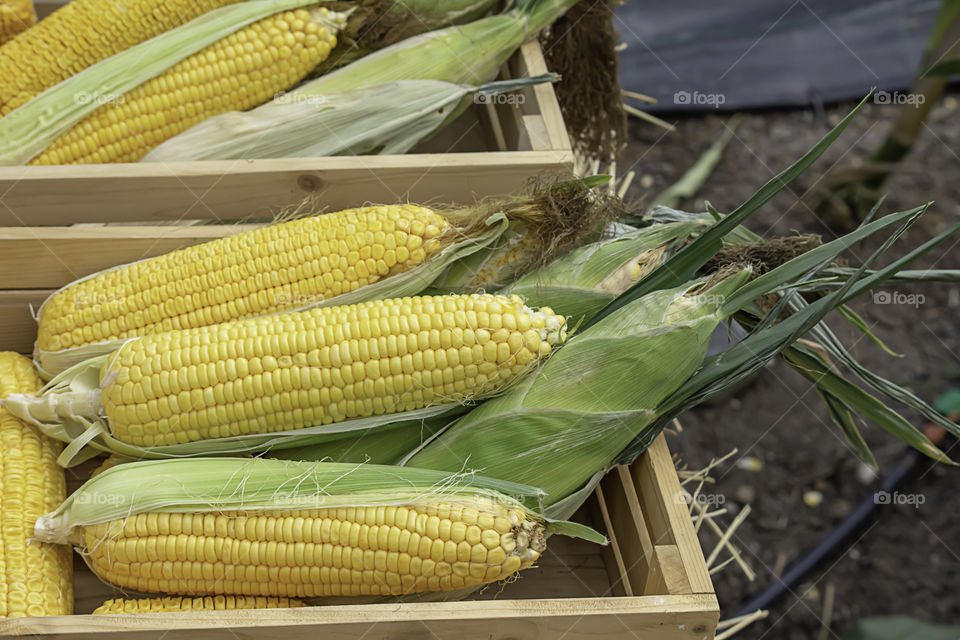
pixel 389 118
pixel 234 484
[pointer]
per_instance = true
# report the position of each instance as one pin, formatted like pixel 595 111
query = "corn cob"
pixel 271 269
pixel 316 367
pixel 280 528
pixel 16 16
pixel 170 604
pixel 36 577
pixel 240 71
pixel 322 552
pixel 82 33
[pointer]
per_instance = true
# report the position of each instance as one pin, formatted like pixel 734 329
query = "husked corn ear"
pixel 241 71
pixel 274 268
pixel 321 366
pixel 16 16
pixel 214 603
pixel 82 33
pixel 36 579
pixel 320 552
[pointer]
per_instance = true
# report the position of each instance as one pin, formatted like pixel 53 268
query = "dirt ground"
pixel 907 559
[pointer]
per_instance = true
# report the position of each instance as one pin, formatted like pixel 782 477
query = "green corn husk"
pixel 29 129
pixel 591 399
pixel 235 484
pixel 582 283
pixel 468 54
pixel 373 26
pixel 389 118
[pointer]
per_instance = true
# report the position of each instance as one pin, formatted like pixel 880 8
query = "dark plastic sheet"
pixel 704 55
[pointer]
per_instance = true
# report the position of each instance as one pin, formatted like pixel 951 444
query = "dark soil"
pixel 907 560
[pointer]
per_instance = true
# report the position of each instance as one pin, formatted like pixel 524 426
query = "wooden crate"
pixel 489 150
pixel 650 583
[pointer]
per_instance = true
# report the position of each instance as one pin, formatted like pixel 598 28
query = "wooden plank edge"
pixel 641 609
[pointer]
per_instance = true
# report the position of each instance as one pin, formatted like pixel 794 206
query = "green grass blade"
pixel 684 265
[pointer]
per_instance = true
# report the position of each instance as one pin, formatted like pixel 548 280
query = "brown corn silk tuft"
pixel 765 255
pixel 581 47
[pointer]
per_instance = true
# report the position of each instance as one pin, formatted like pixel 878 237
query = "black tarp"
pixel 694 54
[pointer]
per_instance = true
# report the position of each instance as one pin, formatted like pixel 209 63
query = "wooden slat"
pixel 633 537
pixel 619 567
pixel 642 618
pixel 18 330
pixel 667 514
pixel 59 255
pixel 531 63
pixel 237 190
